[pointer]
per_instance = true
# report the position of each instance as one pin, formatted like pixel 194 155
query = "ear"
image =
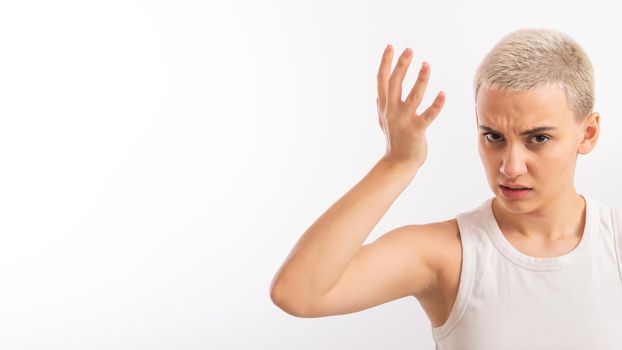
pixel 590 128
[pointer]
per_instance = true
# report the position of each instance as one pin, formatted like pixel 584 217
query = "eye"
pixel 487 138
pixel 543 138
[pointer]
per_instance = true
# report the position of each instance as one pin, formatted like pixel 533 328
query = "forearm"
pixel 323 252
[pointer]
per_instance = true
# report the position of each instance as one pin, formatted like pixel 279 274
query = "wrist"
pixel 409 168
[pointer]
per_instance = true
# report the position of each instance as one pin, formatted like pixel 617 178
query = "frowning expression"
pixel 531 138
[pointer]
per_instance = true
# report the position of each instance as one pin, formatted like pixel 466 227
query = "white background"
pixel 159 159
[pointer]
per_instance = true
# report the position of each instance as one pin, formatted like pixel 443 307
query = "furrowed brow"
pixel 526 132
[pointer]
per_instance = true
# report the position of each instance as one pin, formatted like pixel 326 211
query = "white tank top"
pixel 509 300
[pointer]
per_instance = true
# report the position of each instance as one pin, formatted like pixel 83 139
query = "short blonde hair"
pixel 529 57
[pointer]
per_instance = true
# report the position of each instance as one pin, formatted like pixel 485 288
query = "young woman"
pixel 537 266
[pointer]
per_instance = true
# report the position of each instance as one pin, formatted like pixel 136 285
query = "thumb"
pixel 432 112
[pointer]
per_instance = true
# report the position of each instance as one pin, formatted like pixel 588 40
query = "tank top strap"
pixel 468 227
pixel 617 234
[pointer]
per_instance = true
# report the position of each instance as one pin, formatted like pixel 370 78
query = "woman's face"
pixel 543 160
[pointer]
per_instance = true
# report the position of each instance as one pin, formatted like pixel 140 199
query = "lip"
pixel 514 186
pixel 514 194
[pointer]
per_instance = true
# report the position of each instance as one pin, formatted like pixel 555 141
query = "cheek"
pixel 487 156
pixel 479 149
pixel 559 157
pixel 554 166
pixel 484 154
pixel 490 164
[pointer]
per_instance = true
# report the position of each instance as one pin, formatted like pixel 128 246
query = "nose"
pixel 513 163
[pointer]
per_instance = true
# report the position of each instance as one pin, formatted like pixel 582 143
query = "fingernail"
pixel 387 48
pixel 407 52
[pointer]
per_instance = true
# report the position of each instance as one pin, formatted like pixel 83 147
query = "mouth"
pixel 516 187
pixel 515 193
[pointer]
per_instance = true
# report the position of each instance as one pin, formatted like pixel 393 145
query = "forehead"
pixel 543 104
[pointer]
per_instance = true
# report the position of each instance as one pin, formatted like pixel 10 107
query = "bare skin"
pixel 545 161
pixel 550 221
pixel 330 272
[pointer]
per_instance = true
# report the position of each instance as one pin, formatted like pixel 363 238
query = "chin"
pixel 516 206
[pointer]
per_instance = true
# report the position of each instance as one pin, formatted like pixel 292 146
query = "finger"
pixel 416 94
pixel 380 122
pixel 379 117
pixel 431 112
pixel 383 75
pixel 397 77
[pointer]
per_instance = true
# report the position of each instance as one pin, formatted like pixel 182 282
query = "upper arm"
pixel 399 263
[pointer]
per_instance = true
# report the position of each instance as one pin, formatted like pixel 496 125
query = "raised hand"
pixel 403 126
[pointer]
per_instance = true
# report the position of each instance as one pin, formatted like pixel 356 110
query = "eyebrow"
pixel 526 132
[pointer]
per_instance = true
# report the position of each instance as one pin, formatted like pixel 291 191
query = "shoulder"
pixel 440 246
pixel 438 243
pixel 432 253
pixel 444 244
